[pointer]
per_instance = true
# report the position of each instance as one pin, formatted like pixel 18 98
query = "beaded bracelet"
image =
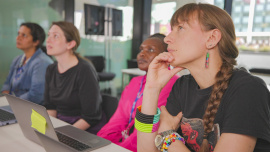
pixel 146 123
pixel 168 140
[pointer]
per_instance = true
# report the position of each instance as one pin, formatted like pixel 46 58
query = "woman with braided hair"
pixel 215 108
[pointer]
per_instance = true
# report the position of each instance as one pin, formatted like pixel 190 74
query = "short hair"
pixel 37 33
pixel 161 38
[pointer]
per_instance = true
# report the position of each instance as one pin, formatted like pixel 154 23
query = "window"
pixel 252 24
pixel 160 20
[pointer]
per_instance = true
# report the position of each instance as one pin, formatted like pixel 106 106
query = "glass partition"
pixel 252 25
pixel 160 17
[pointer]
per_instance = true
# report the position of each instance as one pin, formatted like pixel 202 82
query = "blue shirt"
pixel 28 81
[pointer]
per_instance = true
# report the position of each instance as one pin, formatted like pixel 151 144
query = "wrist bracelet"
pixel 168 140
pixel 146 123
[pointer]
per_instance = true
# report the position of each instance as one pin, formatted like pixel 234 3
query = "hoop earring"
pixel 207 60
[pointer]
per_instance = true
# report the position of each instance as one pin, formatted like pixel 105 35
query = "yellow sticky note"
pixel 38 122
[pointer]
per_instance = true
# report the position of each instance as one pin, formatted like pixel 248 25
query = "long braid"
pixel 212 17
pixel 222 82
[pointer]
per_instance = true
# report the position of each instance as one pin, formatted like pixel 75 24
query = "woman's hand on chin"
pixel 158 73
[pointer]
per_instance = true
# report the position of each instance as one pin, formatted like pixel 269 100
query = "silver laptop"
pixel 51 145
pixel 69 135
pixel 6 115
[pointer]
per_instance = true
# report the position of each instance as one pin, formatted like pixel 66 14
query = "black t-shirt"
pixel 244 109
pixel 75 92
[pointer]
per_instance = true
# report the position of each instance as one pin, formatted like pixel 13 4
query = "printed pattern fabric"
pixel 192 130
pixel 243 109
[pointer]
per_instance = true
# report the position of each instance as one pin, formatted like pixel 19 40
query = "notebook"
pixel 6 115
pixel 24 110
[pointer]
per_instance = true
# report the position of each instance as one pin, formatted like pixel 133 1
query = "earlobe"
pixel 36 43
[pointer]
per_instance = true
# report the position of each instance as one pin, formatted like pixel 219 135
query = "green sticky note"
pixel 38 122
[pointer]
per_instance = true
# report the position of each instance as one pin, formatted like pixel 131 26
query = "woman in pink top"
pixel 120 129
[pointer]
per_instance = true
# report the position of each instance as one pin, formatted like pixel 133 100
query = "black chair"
pixel 132 63
pixel 99 64
pixel 109 105
pixel 260 71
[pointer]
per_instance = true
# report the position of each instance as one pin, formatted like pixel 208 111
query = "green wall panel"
pixel 15 12
pixel 12 14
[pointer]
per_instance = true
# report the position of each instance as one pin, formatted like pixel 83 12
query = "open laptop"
pixel 6 115
pixel 51 145
pixel 68 135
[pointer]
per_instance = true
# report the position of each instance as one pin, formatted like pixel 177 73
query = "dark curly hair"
pixel 37 33
pixel 161 38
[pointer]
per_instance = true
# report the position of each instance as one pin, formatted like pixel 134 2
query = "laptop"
pixel 51 145
pixel 6 115
pixel 68 134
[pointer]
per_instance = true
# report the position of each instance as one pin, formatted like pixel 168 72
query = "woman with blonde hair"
pixel 215 108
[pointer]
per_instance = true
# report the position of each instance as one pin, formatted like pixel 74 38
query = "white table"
pixel 13 140
pixel 131 71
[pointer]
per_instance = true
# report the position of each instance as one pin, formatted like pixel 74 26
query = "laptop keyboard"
pixel 72 142
pixel 5 116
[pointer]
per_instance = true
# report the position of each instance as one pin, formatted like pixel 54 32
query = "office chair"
pixel 99 64
pixel 109 105
pixel 260 71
